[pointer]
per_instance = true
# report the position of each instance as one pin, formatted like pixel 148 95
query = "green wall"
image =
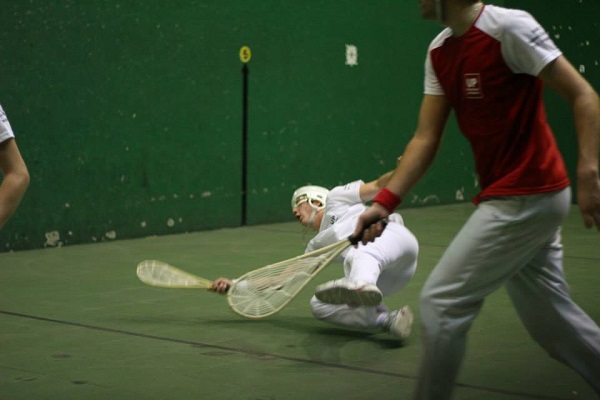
pixel 574 25
pixel 129 114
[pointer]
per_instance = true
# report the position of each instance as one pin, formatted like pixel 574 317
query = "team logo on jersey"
pixel 333 219
pixel 538 36
pixel 473 88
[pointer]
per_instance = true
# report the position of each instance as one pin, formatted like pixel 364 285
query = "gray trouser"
pixel 511 241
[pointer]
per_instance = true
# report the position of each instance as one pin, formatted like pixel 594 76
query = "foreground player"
pixel 371 271
pixel 489 66
pixel 15 175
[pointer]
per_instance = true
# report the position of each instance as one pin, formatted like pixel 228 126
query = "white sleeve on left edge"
pixel 5 129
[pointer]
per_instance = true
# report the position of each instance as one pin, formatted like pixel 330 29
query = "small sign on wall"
pixel 351 55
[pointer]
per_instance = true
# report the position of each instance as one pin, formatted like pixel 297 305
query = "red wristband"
pixel 388 199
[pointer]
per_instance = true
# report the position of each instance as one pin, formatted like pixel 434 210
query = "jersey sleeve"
pixel 432 85
pixel 526 46
pixel 5 129
pixel 345 194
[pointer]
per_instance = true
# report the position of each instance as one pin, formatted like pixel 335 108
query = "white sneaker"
pixel 344 291
pixel 399 323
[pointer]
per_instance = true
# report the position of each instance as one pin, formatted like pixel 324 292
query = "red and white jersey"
pixel 489 75
pixel 5 129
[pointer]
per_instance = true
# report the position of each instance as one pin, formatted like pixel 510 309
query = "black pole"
pixel 244 142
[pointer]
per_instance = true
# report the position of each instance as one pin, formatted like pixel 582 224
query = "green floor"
pixel 75 323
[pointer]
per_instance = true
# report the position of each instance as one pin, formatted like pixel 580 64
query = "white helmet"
pixel 309 194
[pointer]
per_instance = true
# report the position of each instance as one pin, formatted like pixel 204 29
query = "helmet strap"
pixel 312 218
pixel 309 225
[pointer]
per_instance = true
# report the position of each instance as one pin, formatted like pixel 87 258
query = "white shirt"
pixel 344 206
pixel 5 129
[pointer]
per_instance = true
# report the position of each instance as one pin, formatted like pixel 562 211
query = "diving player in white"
pixel 371 271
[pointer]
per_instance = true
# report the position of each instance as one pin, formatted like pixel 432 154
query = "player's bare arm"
pixel 421 150
pixel 415 160
pixel 15 180
pixel 562 77
pixel 368 190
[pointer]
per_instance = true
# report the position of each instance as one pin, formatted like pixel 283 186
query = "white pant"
pixel 513 241
pixel 389 262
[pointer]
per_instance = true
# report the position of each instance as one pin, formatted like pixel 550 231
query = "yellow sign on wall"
pixel 245 54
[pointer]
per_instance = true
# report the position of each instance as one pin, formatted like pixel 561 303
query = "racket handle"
pixel 356 239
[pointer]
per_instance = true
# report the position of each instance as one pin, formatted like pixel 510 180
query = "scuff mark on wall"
pixel 432 198
pixel 53 239
pixel 460 194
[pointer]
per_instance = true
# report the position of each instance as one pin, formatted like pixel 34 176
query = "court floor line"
pixel 270 355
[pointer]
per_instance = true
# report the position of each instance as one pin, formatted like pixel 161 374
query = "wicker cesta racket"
pixel 265 291
pixel 159 274
pixel 259 293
